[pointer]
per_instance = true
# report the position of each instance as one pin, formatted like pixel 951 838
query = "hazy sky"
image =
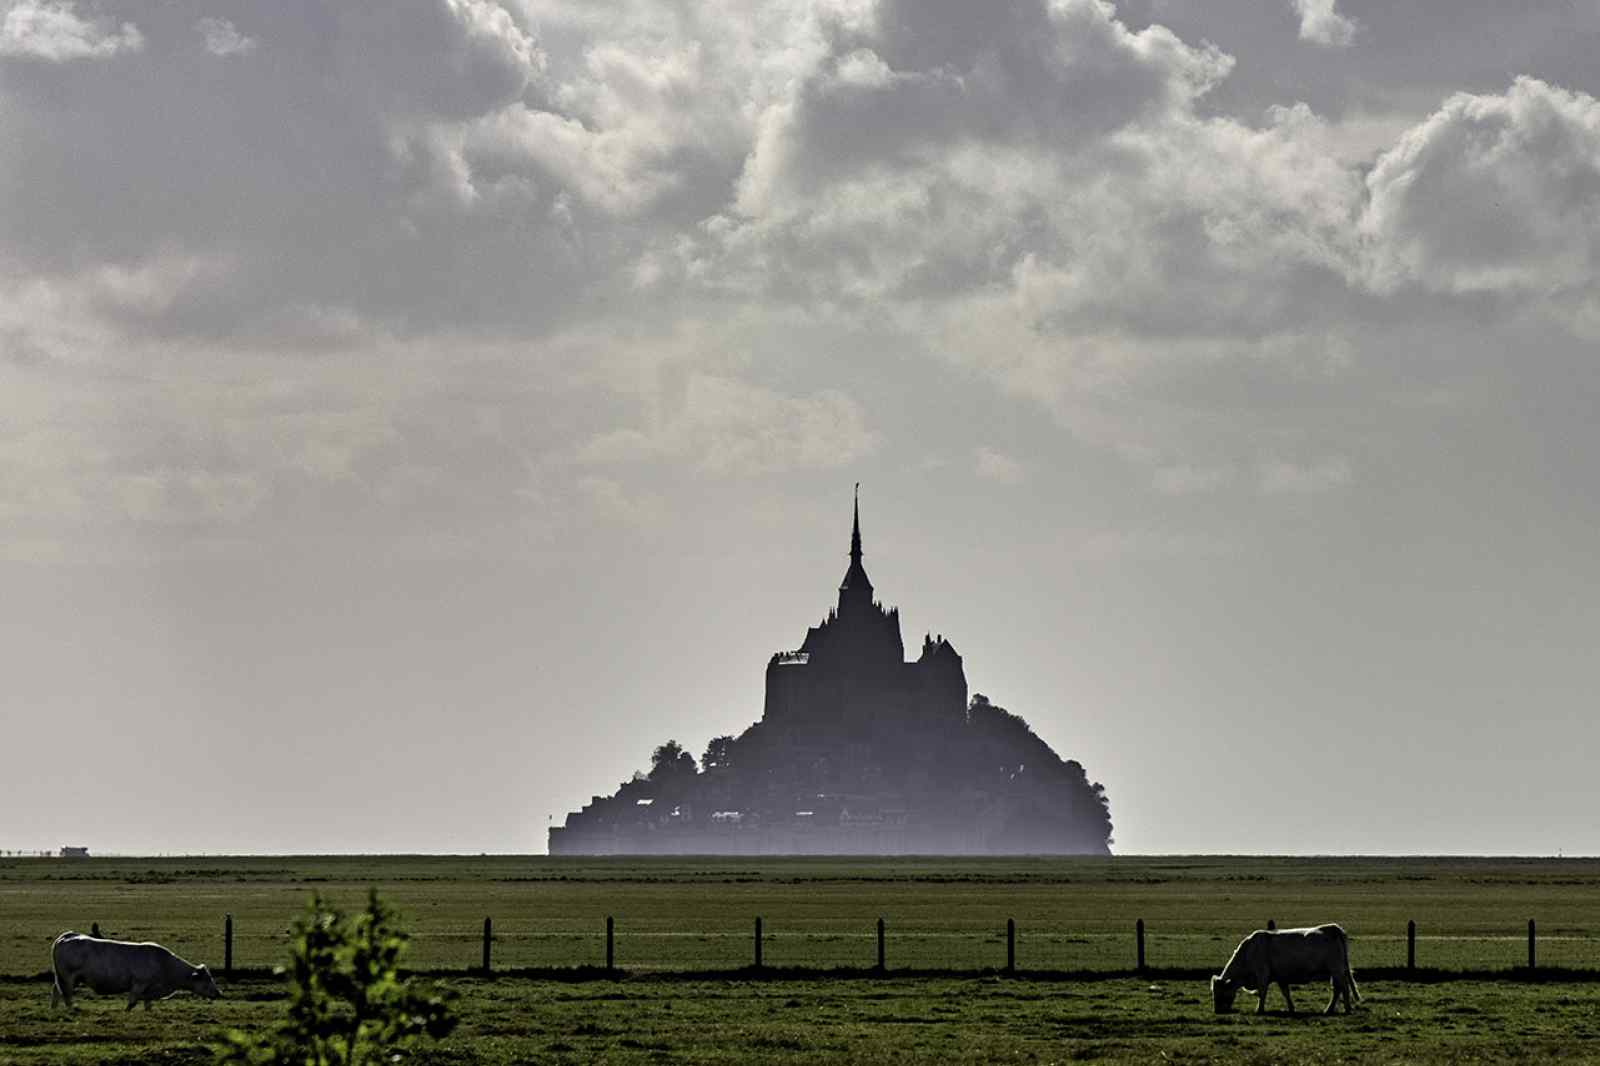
pixel 412 412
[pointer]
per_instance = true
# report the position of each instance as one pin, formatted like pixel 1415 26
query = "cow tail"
pixel 1349 975
pixel 55 972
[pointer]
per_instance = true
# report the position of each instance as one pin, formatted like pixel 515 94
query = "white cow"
pixel 1287 957
pixel 111 967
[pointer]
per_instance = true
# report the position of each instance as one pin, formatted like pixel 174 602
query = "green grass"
pixel 697 914
pixel 974 1020
pixel 945 915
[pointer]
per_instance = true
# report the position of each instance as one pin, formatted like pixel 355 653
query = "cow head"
pixel 201 983
pixel 1222 993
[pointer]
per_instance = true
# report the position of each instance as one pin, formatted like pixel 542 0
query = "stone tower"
pixel 850 676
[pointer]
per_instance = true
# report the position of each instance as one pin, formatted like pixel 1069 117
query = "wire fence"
pixel 612 945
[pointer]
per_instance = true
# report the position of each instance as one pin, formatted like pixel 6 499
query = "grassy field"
pixel 697 914
pixel 898 1020
pixel 945 920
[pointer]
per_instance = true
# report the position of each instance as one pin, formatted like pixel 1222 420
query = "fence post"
pixel 1530 944
pixel 1411 946
pixel 758 943
pixel 1011 945
pixel 1138 935
pixel 488 934
pixel 881 966
pixel 611 957
pixel 1271 925
pixel 227 945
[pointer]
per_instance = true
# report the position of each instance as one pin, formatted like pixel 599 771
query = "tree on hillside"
pixel 1061 803
pixel 719 754
pixel 671 763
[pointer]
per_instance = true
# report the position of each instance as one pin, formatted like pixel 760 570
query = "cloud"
pixel 918 79
pixel 1078 189
pixel 408 167
pixel 728 427
pixel 189 496
pixel 514 168
pixel 608 501
pixel 1185 479
pixel 992 465
pixel 1052 202
pixel 1321 23
pixel 1491 193
pixel 222 38
pixel 1278 476
pixel 53 30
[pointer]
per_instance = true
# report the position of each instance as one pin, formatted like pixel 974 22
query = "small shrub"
pixel 348 1004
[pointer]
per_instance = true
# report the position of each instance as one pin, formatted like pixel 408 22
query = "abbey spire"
pixel 856 587
pixel 855 530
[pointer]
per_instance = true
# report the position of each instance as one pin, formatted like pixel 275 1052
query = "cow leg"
pixel 66 992
pixel 1288 999
pixel 55 992
pixel 1261 999
pixel 133 996
pixel 1333 1001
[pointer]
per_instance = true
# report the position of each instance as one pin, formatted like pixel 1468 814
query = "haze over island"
pixel 412 414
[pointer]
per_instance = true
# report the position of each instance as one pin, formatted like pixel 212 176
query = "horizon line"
pixel 54 854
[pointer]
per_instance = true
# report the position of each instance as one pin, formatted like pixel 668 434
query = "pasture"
pixel 684 940
pixel 961 1020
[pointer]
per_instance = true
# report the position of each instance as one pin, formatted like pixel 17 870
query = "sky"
pixel 413 412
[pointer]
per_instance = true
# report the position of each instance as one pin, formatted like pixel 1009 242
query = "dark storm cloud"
pixel 310 184
pixel 938 75
pixel 1044 193
pixel 367 170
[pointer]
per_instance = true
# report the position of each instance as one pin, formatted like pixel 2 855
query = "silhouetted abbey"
pixel 857 752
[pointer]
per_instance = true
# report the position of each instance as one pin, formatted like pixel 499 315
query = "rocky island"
pixel 858 752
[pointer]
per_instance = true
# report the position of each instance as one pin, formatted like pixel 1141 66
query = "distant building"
pixel 857 752
pixel 74 853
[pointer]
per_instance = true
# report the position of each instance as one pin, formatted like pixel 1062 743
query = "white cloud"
pixel 1111 545
pixel 149 287
pixel 222 38
pixel 724 426
pixel 608 501
pixel 1321 23
pixel 1279 476
pixel 1184 479
pixel 1491 192
pixel 189 496
pixel 993 465
pixel 54 30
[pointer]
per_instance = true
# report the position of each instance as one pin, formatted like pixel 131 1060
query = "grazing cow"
pixel 144 971
pixel 1287 957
